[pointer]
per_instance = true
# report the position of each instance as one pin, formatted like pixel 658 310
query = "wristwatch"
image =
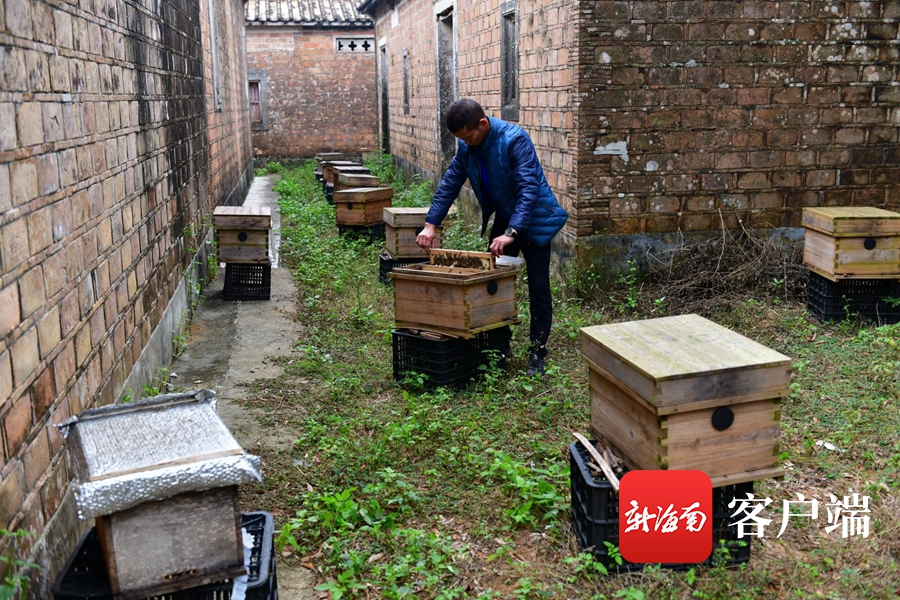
pixel 511 232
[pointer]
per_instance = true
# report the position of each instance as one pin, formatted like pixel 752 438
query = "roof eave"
pixel 325 24
pixel 370 6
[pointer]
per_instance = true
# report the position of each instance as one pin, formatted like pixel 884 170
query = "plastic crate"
pixel 247 282
pixel 595 516
pixel 386 264
pixel 84 576
pixel 374 232
pixel 449 362
pixel 836 300
pixel 329 192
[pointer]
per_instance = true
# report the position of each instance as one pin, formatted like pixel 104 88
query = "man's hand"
pixel 499 243
pixel 425 239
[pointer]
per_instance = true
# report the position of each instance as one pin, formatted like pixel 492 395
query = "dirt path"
pixel 232 344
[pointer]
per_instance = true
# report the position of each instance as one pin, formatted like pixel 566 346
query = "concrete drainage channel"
pixel 231 344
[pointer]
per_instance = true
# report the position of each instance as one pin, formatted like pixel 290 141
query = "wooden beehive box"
pixel 355 168
pixel 685 393
pixel 243 233
pixel 160 477
pixel 402 225
pixel 852 242
pixel 361 207
pixel 328 167
pixel 458 301
pixel 346 181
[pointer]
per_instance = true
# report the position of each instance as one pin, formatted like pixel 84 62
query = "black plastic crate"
pixel 329 192
pixel 836 300
pixel 595 516
pixel 387 263
pixel 247 282
pixel 450 362
pixel 373 233
pixel 84 576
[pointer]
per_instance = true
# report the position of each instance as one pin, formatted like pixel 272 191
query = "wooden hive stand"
pixel 852 242
pixel 685 393
pixel 460 301
pixel 362 207
pixel 402 226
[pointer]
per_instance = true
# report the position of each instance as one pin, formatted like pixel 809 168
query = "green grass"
pixel 393 491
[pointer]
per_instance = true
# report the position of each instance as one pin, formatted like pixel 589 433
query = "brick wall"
pixel 750 109
pixel 111 157
pixel 317 99
pixel 546 79
pixel 548 55
pixel 658 117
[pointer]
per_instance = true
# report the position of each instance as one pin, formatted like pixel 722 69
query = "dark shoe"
pixel 535 365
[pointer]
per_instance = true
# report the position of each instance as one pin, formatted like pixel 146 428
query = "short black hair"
pixel 463 114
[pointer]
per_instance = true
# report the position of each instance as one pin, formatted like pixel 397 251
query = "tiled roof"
pixel 333 13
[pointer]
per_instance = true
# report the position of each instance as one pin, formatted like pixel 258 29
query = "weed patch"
pixel 392 491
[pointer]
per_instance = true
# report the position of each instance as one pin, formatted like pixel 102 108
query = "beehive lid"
pixel 245 217
pixel 685 360
pixel 846 221
pixel 358 179
pixel 405 216
pixel 363 194
pixel 350 168
pixel 127 454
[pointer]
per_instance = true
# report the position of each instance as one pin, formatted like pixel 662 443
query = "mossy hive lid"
pixel 684 359
pixel 127 454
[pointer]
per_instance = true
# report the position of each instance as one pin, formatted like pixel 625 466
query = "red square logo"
pixel 665 516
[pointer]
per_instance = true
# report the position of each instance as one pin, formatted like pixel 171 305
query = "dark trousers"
pixel 537 266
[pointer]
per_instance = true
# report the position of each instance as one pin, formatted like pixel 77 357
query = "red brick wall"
pixel 546 79
pixel 111 155
pixel 755 109
pixel 652 117
pixel 318 99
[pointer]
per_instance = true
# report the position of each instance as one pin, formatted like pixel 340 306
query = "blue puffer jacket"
pixel 517 184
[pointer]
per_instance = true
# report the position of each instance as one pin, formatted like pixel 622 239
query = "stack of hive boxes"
pixel 679 393
pixel 243 235
pixel 402 226
pixel 853 256
pixel 160 477
pixel 448 313
pixel 321 159
pixel 328 177
pixel 359 202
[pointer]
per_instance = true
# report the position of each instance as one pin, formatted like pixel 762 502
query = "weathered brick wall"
pixel 751 110
pixel 413 136
pixel 111 158
pixel 547 54
pixel 318 99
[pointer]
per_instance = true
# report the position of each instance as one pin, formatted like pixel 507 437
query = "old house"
pixel 311 74
pixel 122 125
pixel 658 118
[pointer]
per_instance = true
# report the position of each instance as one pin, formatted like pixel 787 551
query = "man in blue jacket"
pixel 499 160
